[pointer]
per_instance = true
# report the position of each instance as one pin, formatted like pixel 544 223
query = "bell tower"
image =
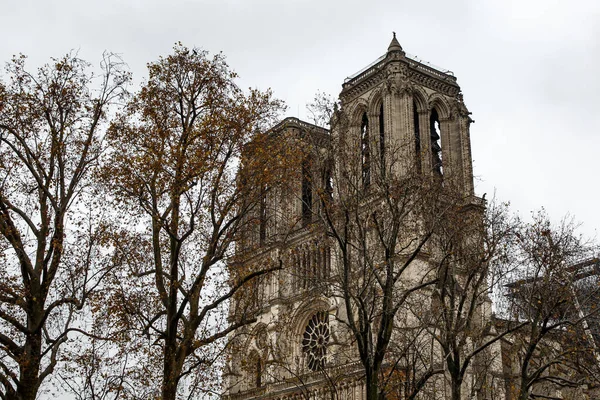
pixel 398 117
pixel 404 115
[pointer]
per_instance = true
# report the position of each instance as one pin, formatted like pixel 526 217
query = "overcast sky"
pixel 528 69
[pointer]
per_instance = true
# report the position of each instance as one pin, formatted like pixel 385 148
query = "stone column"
pixel 405 122
pixel 467 162
pixel 446 133
pixel 426 165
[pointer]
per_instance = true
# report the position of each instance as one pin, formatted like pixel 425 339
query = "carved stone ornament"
pixel 405 87
pixel 391 84
pixel 262 339
pixel 459 109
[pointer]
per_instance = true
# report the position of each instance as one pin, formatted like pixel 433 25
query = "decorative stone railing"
pixel 366 71
pixel 420 66
pixel 296 383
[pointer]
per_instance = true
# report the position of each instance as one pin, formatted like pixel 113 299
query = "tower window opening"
pixel 417 136
pixel 382 137
pixel 365 151
pixel 306 192
pixel 328 183
pixel 297 272
pixel 436 146
pixel 304 270
pixel 262 227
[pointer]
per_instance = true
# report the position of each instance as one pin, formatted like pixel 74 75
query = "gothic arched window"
pixel 306 191
pixel 365 151
pixel 262 226
pixel 255 369
pixel 436 145
pixel 315 340
pixel 328 183
pixel 417 136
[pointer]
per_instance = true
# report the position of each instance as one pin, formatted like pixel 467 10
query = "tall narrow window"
pixel 262 228
pixel 328 183
pixel 258 372
pixel 417 136
pixel 297 271
pixel 365 151
pixel 306 192
pixel 382 138
pixel 436 146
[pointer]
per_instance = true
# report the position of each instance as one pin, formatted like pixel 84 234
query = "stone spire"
pixel 394 45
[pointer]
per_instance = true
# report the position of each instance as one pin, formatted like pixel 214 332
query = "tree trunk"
pixel 30 368
pixel 523 390
pixel 170 373
pixel 372 385
pixel 456 390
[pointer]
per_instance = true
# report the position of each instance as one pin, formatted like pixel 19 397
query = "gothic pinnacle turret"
pixel 394 44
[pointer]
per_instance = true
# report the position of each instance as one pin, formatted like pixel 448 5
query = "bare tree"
pixel 51 130
pixel 473 247
pixel 322 109
pixel 555 292
pixel 173 168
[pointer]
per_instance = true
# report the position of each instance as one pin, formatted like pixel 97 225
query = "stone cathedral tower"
pixel 398 116
pixel 400 104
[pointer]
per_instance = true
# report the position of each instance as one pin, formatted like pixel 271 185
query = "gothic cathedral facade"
pixel 396 119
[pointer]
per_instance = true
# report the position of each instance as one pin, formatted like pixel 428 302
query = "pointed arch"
pixel 375 101
pixel 361 107
pixel 420 100
pixel 255 338
pixel 257 352
pixel 441 105
pixel 378 128
pixel 305 310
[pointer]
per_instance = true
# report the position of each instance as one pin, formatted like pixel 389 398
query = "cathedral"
pixel 351 302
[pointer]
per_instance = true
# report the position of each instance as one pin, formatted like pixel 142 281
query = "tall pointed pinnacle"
pixel 394 45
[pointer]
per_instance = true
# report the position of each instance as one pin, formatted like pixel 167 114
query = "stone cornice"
pixel 293 122
pixel 413 71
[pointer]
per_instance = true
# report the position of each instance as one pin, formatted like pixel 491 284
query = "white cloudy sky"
pixel 528 69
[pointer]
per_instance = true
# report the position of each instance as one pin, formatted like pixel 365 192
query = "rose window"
pixel 315 340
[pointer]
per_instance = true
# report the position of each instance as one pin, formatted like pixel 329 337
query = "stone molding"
pixel 410 71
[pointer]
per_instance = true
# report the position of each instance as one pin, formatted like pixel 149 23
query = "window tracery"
pixel 315 340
